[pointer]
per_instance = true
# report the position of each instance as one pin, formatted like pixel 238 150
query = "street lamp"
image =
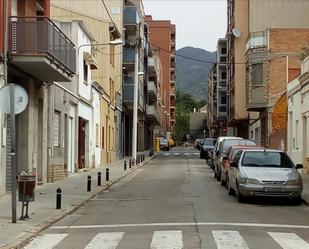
pixel 113 42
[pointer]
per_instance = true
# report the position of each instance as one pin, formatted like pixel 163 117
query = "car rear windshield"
pixel 227 143
pixel 209 142
pixel 163 141
pixel 266 159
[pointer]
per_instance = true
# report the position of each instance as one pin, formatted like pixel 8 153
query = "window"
pixel 97 135
pixel 112 55
pixel 297 134
pixel 223 50
pixel 103 137
pixel 223 100
pixel 85 72
pixel 56 133
pixel 112 91
pixel 223 75
pixel 257 74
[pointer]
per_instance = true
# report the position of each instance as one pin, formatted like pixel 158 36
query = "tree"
pixel 185 104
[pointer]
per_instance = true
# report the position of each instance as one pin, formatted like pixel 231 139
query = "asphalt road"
pixel 175 202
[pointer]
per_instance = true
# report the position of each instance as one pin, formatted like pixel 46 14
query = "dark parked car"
pixel 207 148
pixel 164 144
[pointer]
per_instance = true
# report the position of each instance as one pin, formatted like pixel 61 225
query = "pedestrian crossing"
pixel 181 154
pixel 171 239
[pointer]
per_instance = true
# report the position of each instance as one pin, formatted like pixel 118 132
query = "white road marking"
pixel 186 154
pixel 229 240
pixel 105 241
pixel 196 153
pixel 184 224
pixel 46 241
pixel 289 240
pixel 166 154
pixel 177 154
pixel 167 240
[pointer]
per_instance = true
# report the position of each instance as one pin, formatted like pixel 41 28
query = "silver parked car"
pixel 264 172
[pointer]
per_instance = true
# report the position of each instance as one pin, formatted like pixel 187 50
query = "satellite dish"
pixel 20 99
pixel 236 32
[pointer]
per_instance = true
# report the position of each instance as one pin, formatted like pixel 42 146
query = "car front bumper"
pixel 248 190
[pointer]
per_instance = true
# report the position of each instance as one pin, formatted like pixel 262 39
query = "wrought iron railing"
pixel 39 35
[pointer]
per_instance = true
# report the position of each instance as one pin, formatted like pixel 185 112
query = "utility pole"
pixel 12 111
pixel 135 102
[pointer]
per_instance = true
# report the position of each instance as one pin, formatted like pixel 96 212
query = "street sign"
pixel 20 99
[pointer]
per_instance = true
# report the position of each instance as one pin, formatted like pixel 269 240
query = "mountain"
pixel 192 75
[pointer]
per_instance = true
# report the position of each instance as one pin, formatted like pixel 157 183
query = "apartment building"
pixel 36 60
pixel 275 41
pixel 298 119
pixel 108 77
pixel 237 32
pixel 162 37
pixel 212 102
pixel 217 92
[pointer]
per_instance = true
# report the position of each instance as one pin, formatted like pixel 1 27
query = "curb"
pixel 27 235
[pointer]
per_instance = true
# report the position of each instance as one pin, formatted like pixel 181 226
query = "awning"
pixel 90 61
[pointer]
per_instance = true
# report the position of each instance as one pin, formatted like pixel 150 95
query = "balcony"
pixel 256 99
pixel 173 91
pixel 257 40
pixel 128 92
pixel 129 58
pixel 151 66
pixel 131 19
pixel 152 91
pixel 39 48
pixel 152 114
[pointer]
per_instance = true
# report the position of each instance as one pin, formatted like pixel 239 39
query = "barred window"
pixel 257 74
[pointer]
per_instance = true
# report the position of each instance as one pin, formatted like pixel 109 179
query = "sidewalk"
pixel 305 195
pixel 43 210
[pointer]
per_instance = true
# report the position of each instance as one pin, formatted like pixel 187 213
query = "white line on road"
pixel 46 241
pixel 166 154
pixel 183 224
pixel 167 240
pixel 176 154
pixel 289 240
pixel 186 154
pixel 229 240
pixel 196 153
pixel 105 241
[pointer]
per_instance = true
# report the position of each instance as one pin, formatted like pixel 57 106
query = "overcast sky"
pixel 198 23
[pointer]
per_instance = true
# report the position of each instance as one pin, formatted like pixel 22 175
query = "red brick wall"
pixel 282 42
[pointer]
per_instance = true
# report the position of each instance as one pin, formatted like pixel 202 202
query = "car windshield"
pixel 209 142
pixel 163 141
pixel 227 143
pixel 266 159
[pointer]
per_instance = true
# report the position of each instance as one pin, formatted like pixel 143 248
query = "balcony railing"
pixel 257 39
pixel 41 36
pixel 130 15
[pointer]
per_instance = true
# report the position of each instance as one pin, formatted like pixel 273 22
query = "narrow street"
pixel 175 202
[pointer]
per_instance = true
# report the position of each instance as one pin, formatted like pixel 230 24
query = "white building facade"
pixel 298 116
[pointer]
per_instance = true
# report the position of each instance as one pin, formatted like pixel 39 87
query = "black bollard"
pixel 125 165
pixel 130 163
pixel 107 174
pixel 89 184
pixel 58 198
pixel 99 178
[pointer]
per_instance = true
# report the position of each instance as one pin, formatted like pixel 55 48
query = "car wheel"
pixel 239 197
pixel 230 191
pixel 297 201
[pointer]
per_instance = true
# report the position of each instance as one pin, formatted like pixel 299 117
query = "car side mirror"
pixel 233 164
pixel 299 166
